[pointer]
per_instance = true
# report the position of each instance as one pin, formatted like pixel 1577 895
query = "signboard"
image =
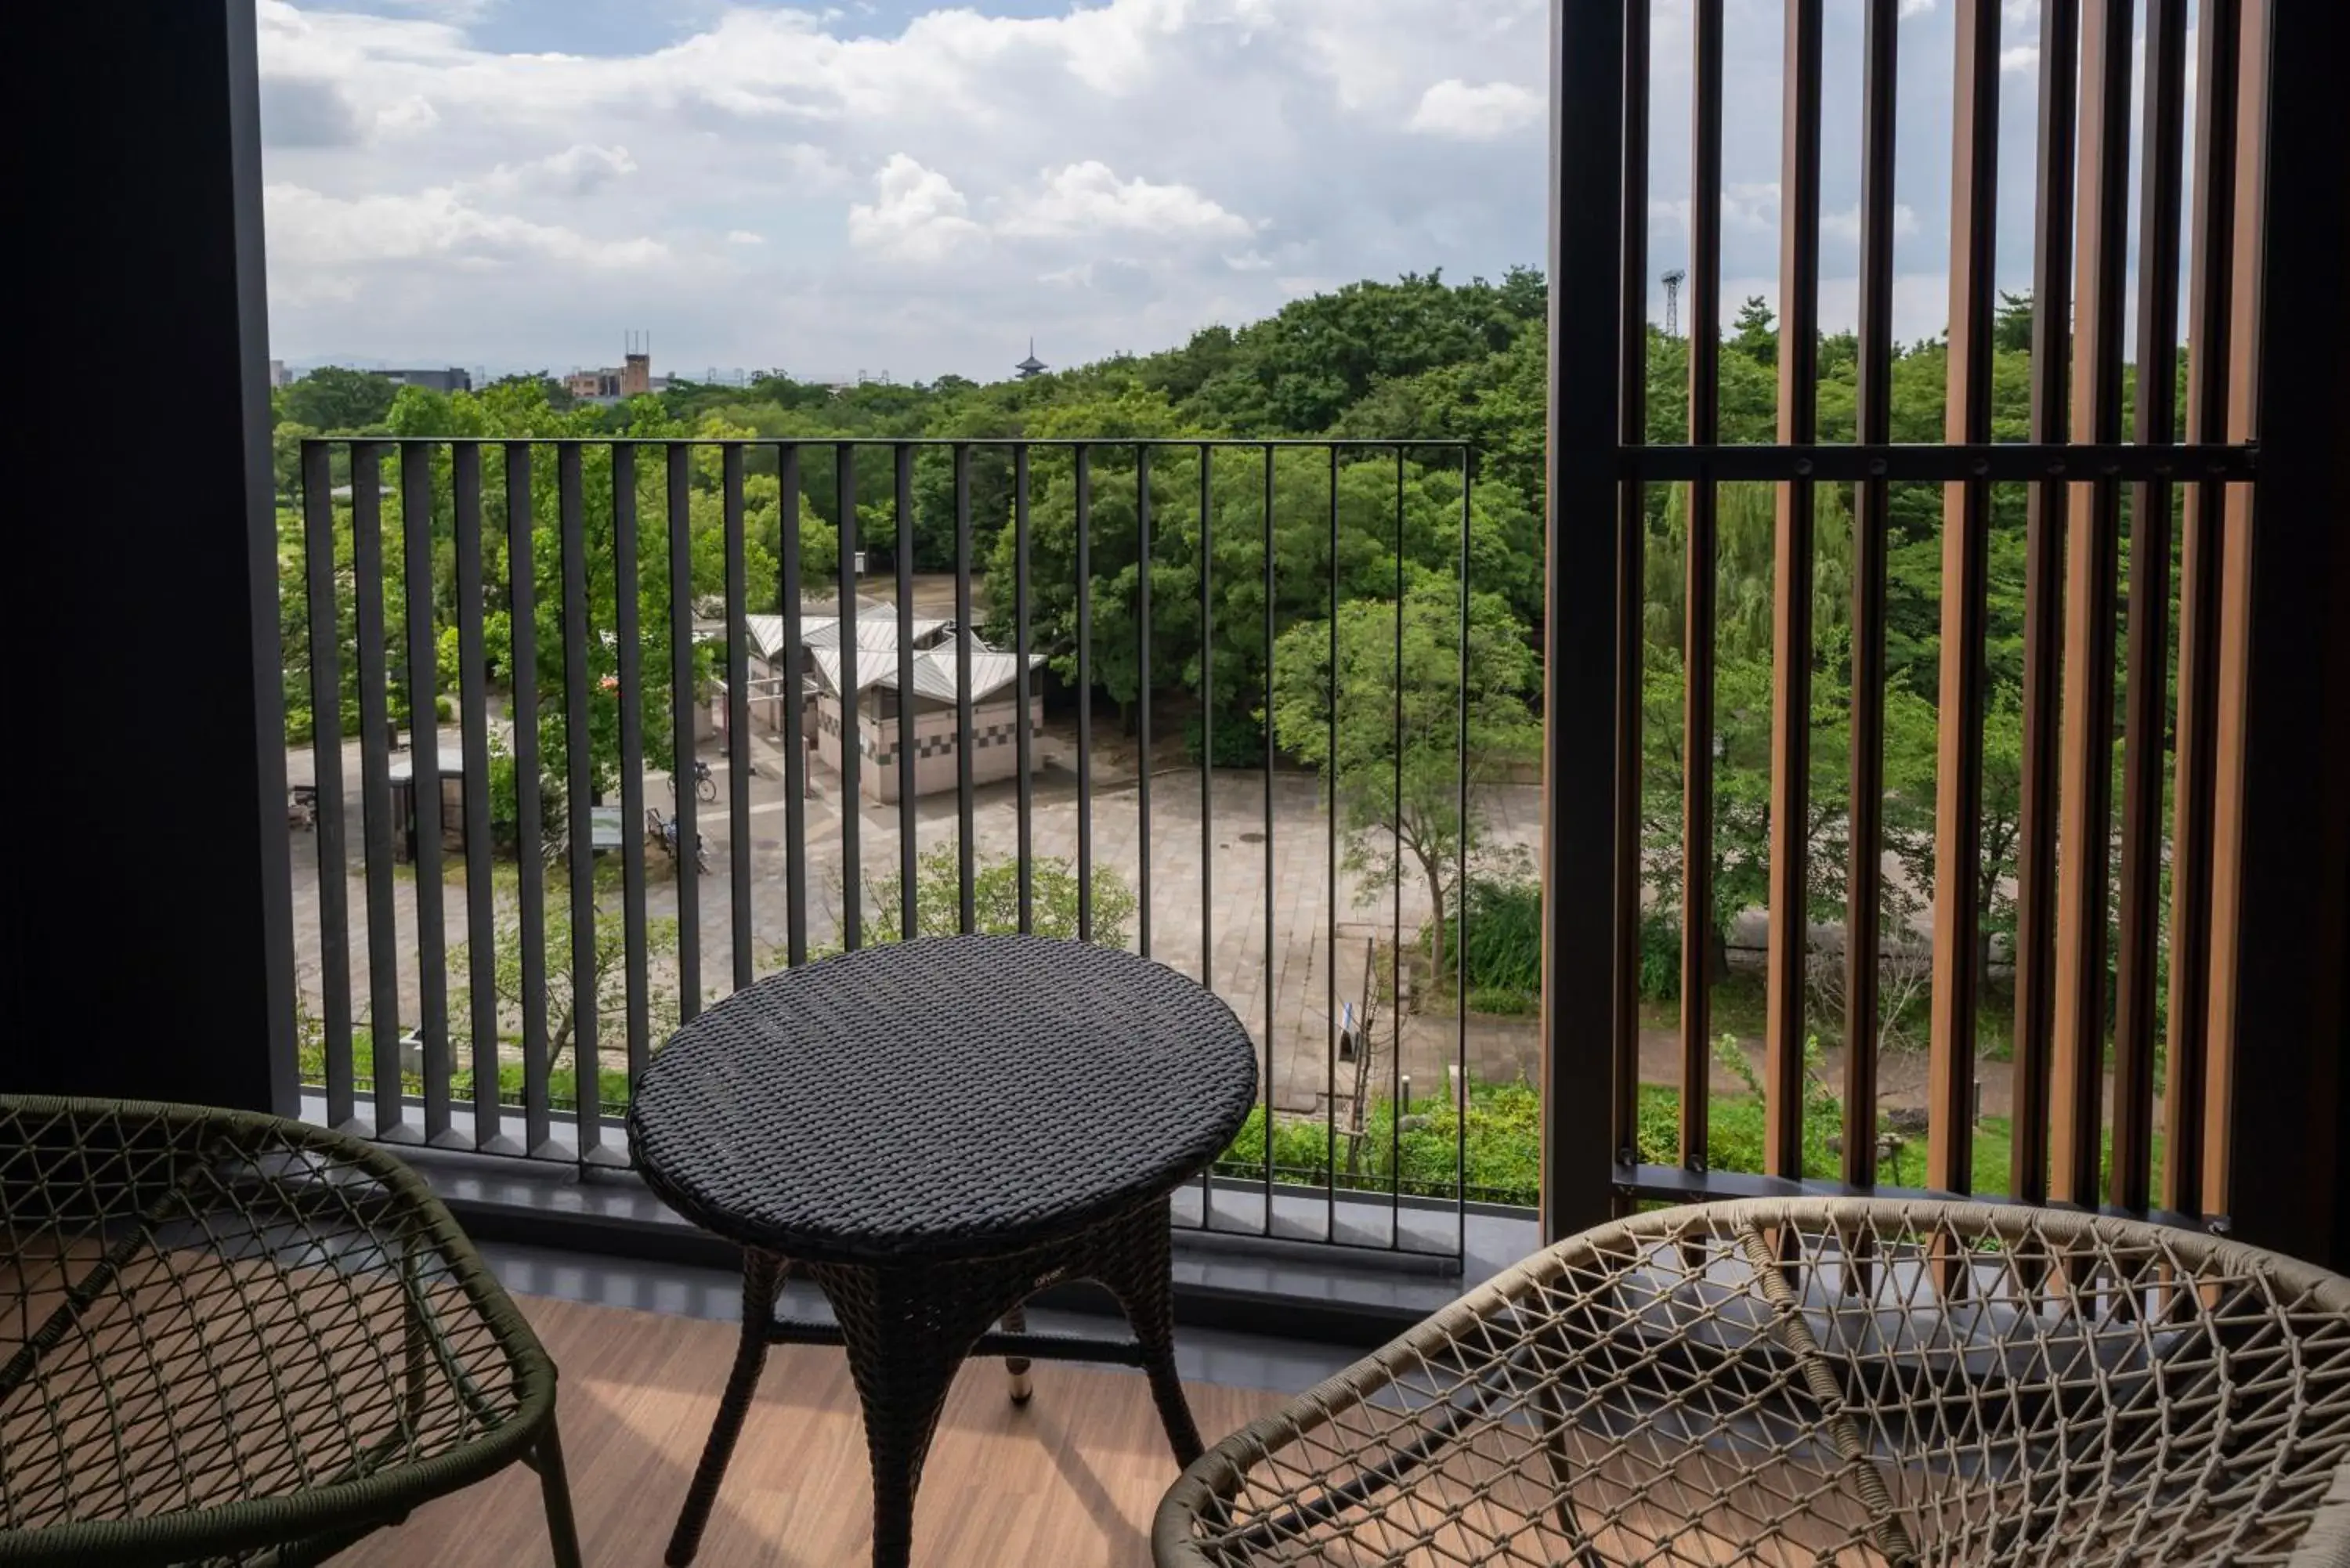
pixel 604 828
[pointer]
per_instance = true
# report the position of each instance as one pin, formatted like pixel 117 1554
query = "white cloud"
pixel 462 178
pixel 1089 198
pixel 407 116
pixel 1915 8
pixel 579 170
pixel 1479 113
pixel 915 214
pixel 1845 222
pixel 745 237
pixel 333 242
pixel 2022 58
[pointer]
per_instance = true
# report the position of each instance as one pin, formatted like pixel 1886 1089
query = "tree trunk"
pixel 1435 878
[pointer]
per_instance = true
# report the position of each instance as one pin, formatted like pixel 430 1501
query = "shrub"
pixel 1239 740
pixel 1661 957
pixel 1504 954
pixel 1509 1004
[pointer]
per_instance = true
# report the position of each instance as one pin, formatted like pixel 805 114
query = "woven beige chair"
pixel 1821 1381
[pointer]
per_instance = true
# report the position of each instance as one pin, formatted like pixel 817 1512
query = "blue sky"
pixel 906 188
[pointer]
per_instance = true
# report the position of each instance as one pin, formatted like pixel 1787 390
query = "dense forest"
pixel 1421 359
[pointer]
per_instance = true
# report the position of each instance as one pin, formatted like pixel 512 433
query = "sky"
pixel 913 190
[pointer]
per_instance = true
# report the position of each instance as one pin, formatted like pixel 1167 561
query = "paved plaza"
pixel 1208 898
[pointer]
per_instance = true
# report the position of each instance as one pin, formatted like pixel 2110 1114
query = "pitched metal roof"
pixel 877 627
pixel 992 670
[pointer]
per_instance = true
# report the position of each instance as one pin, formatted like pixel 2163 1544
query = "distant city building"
pixel 453 379
pixel 279 375
pixel 632 378
pixel 1031 365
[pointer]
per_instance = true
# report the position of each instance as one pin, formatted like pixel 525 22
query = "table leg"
pixel 762 1274
pixel 1137 1266
pixel 907 1332
pixel 1017 1322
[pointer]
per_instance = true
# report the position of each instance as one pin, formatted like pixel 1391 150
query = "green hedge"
pixel 1503 1159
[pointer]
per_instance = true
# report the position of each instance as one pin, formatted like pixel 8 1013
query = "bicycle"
pixel 663 830
pixel 705 785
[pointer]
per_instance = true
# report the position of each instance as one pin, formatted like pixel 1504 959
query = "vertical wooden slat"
pixel 1698 593
pixel 1873 424
pixel 2235 594
pixel 1966 527
pixel 1791 661
pixel 2043 608
pixel 2209 285
pixel 2157 424
pixel 2091 553
pixel 1631 588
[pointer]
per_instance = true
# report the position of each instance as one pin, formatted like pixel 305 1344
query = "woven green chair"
pixel 229 1338
pixel 1802 1383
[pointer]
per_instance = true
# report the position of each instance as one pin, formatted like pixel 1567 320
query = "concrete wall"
pixel 995 753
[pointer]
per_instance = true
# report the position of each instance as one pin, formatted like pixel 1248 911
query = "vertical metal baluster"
pixel 1330 895
pixel 2092 566
pixel 530 827
pixel 852 760
pixel 1460 1085
pixel 1085 695
pixel 2210 292
pixel 578 637
pixel 967 919
pixel 1697 631
pixel 909 842
pixel 1142 685
pixel 2157 350
pixel 1396 1107
pixel 1784 1033
pixel 795 699
pixel 685 701
pixel 1207 787
pixel 1628 881
pixel 1271 969
pixel 1966 545
pixel 375 782
pixel 1873 424
pixel 1024 740
pixel 424 774
pixel 738 723
pixel 1207 728
pixel 628 638
pixel 473 729
pixel 326 777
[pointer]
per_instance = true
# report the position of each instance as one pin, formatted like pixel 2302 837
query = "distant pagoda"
pixel 1031 365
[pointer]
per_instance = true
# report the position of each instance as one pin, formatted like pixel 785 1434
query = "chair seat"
pixel 1821 1381
pixel 233 1338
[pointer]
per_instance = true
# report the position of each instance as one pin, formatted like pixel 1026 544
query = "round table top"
pixel 954 1096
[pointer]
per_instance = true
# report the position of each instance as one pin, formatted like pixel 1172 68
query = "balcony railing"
pixel 890 688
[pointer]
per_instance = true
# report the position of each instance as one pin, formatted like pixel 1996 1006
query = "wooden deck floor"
pixel 1074 1477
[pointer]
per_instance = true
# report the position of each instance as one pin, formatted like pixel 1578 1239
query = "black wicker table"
pixel 932 1132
